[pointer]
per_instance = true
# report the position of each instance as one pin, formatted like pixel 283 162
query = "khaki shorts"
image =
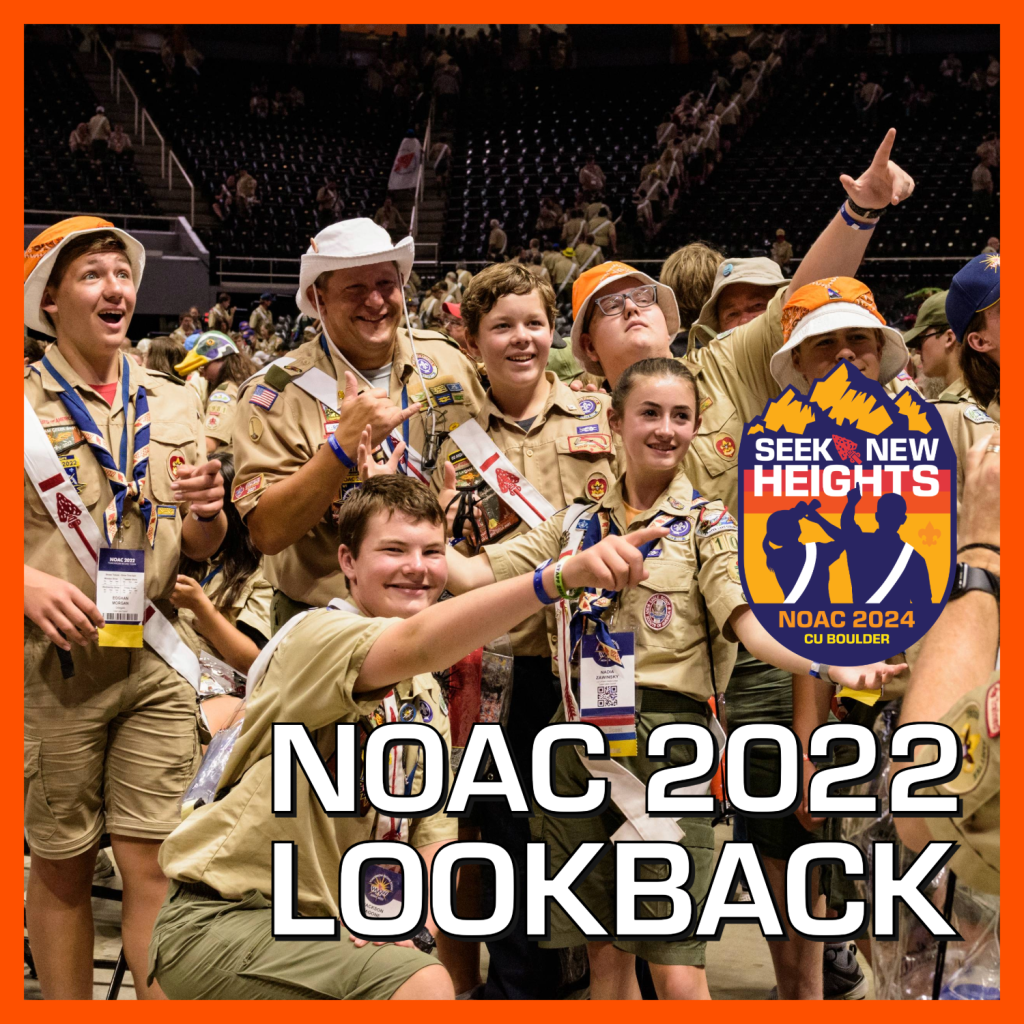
pixel 111 749
pixel 597 891
pixel 205 948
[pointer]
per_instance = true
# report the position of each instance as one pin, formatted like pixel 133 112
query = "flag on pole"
pixel 406 166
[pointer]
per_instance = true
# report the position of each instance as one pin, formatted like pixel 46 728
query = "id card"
pixel 382 890
pixel 608 691
pixel 121 596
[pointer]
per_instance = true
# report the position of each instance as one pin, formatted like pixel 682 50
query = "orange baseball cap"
pixel 590 282
pixel 830 305
pixel 41 254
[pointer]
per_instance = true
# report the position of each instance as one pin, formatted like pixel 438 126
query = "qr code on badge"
pixel 607 696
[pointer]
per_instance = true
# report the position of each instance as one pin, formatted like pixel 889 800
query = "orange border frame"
pixel 12 85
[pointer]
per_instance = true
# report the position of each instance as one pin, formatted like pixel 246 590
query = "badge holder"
pixel 121 595
pixel 608 689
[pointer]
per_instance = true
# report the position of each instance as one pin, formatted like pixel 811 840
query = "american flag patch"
pixel 263 396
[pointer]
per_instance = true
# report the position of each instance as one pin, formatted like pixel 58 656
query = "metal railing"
pixel 140 218
pixel 142 115
pixel 269 269
pixel 417 198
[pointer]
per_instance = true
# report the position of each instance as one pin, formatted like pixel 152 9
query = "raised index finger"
pixel 881 157
pixel 641 537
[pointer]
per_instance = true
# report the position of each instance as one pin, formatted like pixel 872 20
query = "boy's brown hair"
pixel 495 281
pixel 386 495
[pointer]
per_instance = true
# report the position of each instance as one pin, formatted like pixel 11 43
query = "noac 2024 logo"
pixel 847 518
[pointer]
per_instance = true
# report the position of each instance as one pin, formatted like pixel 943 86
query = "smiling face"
pixel 636 333
pixel 92 305
pixel 400 568
pixel 361 307
pixel 740 303
pixel 815 357
pixel 657 424
pixel 513 340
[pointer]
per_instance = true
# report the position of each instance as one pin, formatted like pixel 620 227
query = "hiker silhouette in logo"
pixel 884 567
pixel 802 569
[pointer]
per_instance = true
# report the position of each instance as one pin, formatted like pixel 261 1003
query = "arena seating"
pixel 57 99
pixel 785 171
pixel 527 136
pixel 210 127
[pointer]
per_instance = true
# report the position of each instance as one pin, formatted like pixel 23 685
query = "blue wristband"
pixel 855 223
pixel 815 670
pixel 538 584
pixel 340 452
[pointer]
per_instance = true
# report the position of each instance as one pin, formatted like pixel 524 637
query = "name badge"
pixel 382 891
pixel 121 596
pixel 608 691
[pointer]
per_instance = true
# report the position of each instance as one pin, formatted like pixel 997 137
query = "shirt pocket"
pixel 85 475
pixel 717 444
pixel 662 601
pixel 171 446
pixel 578 466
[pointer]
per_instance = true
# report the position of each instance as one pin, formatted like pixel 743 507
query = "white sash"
pixel 894 574
pixel 83 536
pixel 810 558
pixel 505 480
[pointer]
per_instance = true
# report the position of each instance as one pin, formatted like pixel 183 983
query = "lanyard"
pixel 594 603
pixel 122 484
pixel 209 576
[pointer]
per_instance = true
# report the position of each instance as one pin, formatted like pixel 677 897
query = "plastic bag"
pixel 906 968
pixel 203 787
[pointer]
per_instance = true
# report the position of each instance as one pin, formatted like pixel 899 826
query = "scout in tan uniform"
pixel 691 570
pixel 221 314
pixel 972 305
pixel 936 342
pixel 216 358
pixel 110 730
pixel 213 938
pixel 261 315
pixel 289 480
pixel 546 447
pixel 954 682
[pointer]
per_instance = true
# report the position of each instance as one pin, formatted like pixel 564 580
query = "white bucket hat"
pixel 590 282
pixel 830 305
pixel 350 243
pixel 41 256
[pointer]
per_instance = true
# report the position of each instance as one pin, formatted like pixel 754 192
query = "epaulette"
pixel 278 378
pixel 166 376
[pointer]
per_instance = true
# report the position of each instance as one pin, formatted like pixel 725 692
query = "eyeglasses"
pixel 613 305
pixel 922 338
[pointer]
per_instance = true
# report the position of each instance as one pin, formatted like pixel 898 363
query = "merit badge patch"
pixel 588 409
pixel 263 396
pixel 247 488
pixel 592 429
pixel 593 444
pixel 658 612
pixel 847 518
pixel 726 447
pixel 597 488
pixel 427 369
pixel 174 463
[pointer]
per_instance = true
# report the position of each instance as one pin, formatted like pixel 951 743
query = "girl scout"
pixel 690 606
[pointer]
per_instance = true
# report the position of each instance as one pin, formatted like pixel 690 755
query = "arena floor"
pixel 739 967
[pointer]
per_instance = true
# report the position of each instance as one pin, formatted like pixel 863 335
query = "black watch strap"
pixel 861 211
pixel 424 941
pixel 972 577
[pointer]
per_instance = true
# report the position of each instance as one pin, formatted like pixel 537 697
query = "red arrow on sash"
pixel 69 513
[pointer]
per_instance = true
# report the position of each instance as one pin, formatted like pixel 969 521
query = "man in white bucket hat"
pixel 300 419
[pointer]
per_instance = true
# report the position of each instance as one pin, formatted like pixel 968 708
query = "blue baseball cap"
pixel 974 288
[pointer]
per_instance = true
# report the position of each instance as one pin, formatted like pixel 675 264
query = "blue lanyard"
pixel 122 484
pixel 209 576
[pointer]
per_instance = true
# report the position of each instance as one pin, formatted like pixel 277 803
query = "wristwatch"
pixel 860 211
pixel 972 577
pixel 424 941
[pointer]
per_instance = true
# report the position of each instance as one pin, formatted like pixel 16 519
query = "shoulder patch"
pixel 277 377
pixel 220 396
pixel 263 396
pixel 976 415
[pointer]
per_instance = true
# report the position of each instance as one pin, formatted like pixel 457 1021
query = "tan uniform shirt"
pixel 735 379
pixel 227 844
pixel 666 612
pixel 176 438
pixel 573 230
pixel 220 413
pixel 250 606
pixel 584 252
pixel 567 453
pixel 272 443
pixel 261 317
pixel 782 252
pixel 975 719
pixel 965 423
pixel 497 241
pixel 603 231
pixel 561 268
pixel 219 319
